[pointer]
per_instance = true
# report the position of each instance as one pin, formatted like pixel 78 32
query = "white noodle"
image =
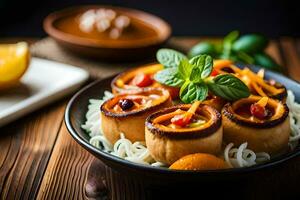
pixel 243 157
pixel 294 115
pixel 137 152
pixel 123 148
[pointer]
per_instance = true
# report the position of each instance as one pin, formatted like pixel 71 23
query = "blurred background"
pixel 194 18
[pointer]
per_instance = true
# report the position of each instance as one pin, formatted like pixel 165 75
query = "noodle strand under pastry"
pixel 137 152
pixel 243 157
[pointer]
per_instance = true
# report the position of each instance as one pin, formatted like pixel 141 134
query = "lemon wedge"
pixel 14 61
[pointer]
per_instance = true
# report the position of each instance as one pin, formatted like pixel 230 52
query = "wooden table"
pixel 39 158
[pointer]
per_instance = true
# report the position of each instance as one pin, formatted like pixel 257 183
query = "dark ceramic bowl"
pixel 75 116
pixel 104 49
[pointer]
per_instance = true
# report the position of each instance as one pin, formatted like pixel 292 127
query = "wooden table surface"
pixel 39 158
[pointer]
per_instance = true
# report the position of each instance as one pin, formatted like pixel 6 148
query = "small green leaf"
pixel 191 92
pixel 185 69
pixel 228 87
pixel 251 43
pixel 203 48
pixel 266 61
pixel 196 75
pixel 231 37
pixel 228 42
pixel 170 77
pixel 244 57
pixel 169 57
pixel 202 65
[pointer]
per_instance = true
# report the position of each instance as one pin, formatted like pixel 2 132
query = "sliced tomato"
pixel 142 80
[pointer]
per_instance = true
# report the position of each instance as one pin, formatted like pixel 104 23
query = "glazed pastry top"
pixel 136 101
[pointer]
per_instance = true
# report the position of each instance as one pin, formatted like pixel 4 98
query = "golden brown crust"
pixel 262 124
pixel 269 136
pixel 129 74
pixel 167 150
pixel 177 134
pixel 169 146
pixel 272 140
pixel 131 124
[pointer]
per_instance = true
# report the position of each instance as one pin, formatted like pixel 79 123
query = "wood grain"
pixel 291 57
pixel 26 146
pixel 40 159
pixel 65 175
pixel 274 52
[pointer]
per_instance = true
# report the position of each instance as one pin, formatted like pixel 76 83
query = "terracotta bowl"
pixel 104 49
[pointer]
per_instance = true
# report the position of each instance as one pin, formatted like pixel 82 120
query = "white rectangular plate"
pixel 44 82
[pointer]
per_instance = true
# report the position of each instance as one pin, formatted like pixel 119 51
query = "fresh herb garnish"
pixel 170 77
pixel 247 49
pixel 193 78
pixel 191 92
pixel 228 87
pixel 169 57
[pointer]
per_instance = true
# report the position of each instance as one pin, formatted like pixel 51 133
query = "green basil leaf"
pixel 228 87
pixel 169 57
pixel 191 92
pixel 185 68
pixel 170 77
pixel 196 75
pixel 202 66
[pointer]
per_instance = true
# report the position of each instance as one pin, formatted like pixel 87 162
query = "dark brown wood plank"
pixel 291 57
pixel 67 169
pixel 9 40
pixel 274 51
pixel 26 146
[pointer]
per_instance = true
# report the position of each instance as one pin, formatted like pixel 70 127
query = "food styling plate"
pixel 44 82
pixel 159 176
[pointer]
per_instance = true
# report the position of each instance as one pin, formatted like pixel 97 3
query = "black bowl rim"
pixel 136 166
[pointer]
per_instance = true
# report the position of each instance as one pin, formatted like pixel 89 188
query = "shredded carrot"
pixel 249 78
pixel 120 83
pixel 168 116
pixel 219 64
pixel 236 69
pixel 152 69
pixel 263 101
pixel 261 82
pixel 191 111
pixel 258 89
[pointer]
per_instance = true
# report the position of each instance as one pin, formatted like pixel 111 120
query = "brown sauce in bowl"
pixel 137 30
